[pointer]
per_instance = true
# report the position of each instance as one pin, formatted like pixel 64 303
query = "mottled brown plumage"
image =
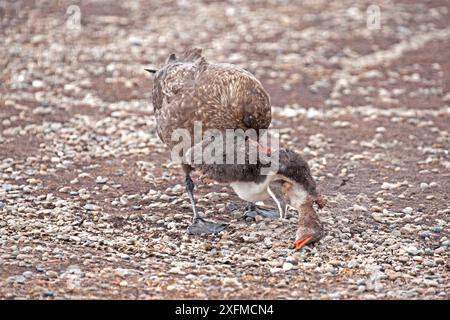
pixel 220 95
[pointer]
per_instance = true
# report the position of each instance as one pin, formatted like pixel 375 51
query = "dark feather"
pixel 295 168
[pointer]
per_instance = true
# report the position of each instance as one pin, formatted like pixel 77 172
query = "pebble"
pixel 7 187
pixel 378 217
pixel 123 256
pixel 429 263
pixel 389 186
pixel 52 274
pixel 407 210
pixel 89 207
pixel 424 234
pixel 359 208
pixel 75 238
pixel 38 84
pixel 275 270
pixel 64 189
pixel 287 266
pixel 436 229
pixel 424 186
pixel 268 242
pixel 309 265
pixel 20 279
pixel 412 250
pixel 101 180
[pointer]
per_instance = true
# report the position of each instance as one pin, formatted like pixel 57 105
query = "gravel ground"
pixel 91 206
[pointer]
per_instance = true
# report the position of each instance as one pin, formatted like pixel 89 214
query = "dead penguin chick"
pixel 288 184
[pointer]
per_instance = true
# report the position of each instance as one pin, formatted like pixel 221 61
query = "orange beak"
pixel 309 228
pixel 300 243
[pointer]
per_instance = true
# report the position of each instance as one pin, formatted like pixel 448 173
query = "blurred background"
pixel 294 47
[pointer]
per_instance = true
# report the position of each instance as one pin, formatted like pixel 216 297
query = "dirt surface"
pixel 92 207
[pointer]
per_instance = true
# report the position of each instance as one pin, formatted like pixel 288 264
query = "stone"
pixel 89 207
pixel 390 186
pixel 407 210
pixel 52 274
pixel 7 187
pixel 423 186
pixel 412 250
pixel 287 266
pixel 359 208
pixel 101 180
pixel 378 217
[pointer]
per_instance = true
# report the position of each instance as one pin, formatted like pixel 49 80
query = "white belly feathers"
pixel 251 191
